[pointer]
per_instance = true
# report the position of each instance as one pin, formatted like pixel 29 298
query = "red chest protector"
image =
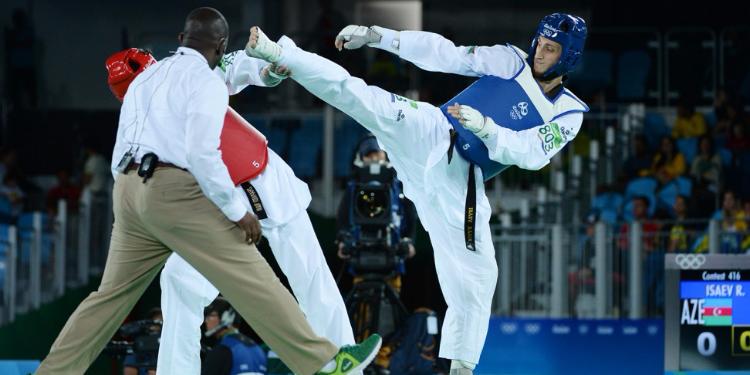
pixel 243 148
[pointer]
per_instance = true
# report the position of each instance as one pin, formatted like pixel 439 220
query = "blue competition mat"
pixel 565 347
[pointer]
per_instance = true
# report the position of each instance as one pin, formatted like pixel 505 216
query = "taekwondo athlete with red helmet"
pixel 517 113
pixel 274 194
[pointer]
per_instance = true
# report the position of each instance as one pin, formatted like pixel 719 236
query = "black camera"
pixel 139 338
pixel 373 239
pixel 373 195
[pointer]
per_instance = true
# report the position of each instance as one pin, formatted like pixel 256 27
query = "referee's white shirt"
pixel 176 109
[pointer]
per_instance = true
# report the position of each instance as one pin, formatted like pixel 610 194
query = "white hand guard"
pixel 356 36
pixel 477 123
pixel 271 77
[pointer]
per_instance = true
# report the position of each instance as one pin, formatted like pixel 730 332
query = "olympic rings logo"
pixel 690 261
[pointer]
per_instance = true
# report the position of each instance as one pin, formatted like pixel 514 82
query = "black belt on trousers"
pixel 135 166
pixel 470 208
pixel 255 202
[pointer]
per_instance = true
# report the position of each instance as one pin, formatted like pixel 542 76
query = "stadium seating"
pixel 594 73
pixel 688 147
pixel 684 185
pixel 633 68
pixel 278 134
pixel 306 145
pixel 643 186
pixel 667 197
pixel 607 201
pixel 25 237
pixel 5 207
pixel 726 156
pixel 347 136
pixel 654 128
pixel 609 216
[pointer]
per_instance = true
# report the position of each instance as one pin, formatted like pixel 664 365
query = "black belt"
pixel 470 208
pixel 135 166
pixel 255 202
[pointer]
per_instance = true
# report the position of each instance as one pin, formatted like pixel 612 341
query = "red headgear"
pixel 124 66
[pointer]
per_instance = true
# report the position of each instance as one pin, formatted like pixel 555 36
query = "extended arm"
pixel 434 52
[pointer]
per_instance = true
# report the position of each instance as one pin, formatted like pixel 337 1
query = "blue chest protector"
pixel 511 104
pixel 246 358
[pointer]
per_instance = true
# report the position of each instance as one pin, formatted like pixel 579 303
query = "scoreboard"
pixel 707 312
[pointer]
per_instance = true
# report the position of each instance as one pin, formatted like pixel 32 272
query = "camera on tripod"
pixel 139 339
pixel 373 240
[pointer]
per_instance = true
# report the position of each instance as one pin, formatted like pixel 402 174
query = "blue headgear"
pixel 566 29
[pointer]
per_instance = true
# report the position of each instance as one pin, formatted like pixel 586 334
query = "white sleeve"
pixel 205 118
pixel 127 119
pixel 433 52
pixel 533 148
pixel 238 70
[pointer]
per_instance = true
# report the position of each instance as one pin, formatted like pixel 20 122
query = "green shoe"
pixel 352 359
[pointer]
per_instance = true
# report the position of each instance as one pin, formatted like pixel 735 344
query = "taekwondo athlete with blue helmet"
pixel 517 113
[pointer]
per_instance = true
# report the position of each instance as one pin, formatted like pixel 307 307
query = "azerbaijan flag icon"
pixel 717 312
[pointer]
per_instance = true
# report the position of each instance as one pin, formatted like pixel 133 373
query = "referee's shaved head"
pixel 206 25
pixel 207 31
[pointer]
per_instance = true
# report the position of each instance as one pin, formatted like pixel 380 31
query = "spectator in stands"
pixel 651 253
pixel 733 223
pixel 65 190
pixel 707 164
pixel 639 163
pixel 728 111
pixel 721 104
pixel 703 200
pixel 668 163
pixel 738 139
pixel 585 255
pixel 10 190
pixel 689 123
pixel 8 161
pixel 678 233
pixel 730 214
pixel 649 228
pixel 581 278
pixel 96 172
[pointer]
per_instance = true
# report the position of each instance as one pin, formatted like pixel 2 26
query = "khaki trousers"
pixel 169 211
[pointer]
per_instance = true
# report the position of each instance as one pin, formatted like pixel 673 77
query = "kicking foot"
pixel 352 359
pixel 259 46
